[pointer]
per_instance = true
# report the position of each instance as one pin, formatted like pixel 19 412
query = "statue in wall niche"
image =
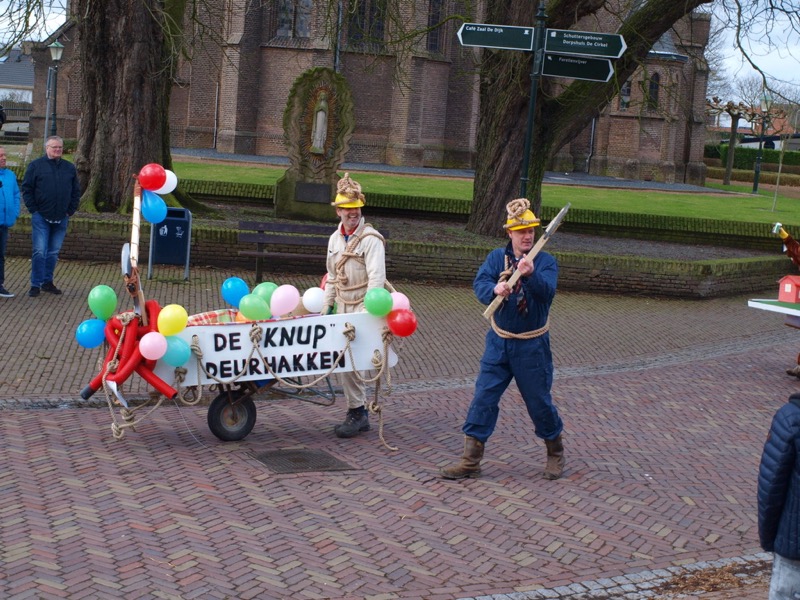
pixel 319 128
pixel 317 123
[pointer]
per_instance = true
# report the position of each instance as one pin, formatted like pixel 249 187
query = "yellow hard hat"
pixel 520 215
pixel 348 193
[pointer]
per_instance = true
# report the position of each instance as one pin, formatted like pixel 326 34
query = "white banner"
pixel 294 347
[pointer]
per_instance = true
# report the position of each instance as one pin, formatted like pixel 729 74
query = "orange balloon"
pixel 240 318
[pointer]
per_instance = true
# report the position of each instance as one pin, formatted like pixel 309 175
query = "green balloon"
pixel 254 308
pixel 102 302
pixel 264 291
pixel 378 302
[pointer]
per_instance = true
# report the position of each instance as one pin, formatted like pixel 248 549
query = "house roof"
pixel 16 70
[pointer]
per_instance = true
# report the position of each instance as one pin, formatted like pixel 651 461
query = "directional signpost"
pixel 503 37
pixel 584 43
pixel 557 53
pixel 577 67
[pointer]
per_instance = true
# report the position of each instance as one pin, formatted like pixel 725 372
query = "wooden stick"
pixel 551 229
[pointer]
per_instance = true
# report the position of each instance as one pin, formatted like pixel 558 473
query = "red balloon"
pixel 402 322
pixel 152 177
pixel 323 281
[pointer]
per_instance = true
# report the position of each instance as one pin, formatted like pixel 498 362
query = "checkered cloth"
pixel 213 317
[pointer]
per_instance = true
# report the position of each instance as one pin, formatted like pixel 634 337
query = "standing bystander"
pixel 356 263
pixel 517 345
pixel 9 211
pixel 51 193
pixel 779 500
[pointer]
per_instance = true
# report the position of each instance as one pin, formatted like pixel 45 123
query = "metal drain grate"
pixel 301 461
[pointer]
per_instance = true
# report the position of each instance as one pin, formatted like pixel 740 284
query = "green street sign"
pixel 584 43
pixel 504 37
pixel 577 67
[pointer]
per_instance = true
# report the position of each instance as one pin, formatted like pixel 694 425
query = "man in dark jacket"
pixel 779 500
pixel 51 193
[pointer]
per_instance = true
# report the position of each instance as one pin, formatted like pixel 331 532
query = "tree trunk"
pixel 562 111
pixel 126 68
pixel 726 179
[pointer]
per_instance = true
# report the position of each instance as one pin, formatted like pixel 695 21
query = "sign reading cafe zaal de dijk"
pixel 293 347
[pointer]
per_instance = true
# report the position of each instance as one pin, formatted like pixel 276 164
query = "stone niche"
pixel 317 124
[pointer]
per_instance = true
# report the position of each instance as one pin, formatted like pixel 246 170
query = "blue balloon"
pixel 91 333
pixel 178 351
pixel 154 209
pixel 233 290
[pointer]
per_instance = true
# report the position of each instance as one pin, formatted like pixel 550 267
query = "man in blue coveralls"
pixel 517 345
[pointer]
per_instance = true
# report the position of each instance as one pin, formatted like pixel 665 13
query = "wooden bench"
pixel 274 239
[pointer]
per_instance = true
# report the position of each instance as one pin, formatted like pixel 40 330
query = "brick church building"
pixel 233 93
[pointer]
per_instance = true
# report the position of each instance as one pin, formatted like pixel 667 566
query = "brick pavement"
pixel 666 404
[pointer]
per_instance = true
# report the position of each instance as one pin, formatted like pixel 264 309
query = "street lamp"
pixel 766 104
pixel 56 50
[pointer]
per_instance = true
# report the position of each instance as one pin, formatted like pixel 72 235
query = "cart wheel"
pixel 231 418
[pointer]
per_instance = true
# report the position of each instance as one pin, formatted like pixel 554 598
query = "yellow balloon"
pixel 172 319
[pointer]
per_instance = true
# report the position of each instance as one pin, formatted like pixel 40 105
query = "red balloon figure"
pixel 402 322
pixel 152 177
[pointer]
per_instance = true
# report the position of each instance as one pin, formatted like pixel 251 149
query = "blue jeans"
pixel 785 581
pixel 3 240
pixel 46 239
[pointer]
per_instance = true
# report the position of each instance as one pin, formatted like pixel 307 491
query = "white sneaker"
pixel 4 293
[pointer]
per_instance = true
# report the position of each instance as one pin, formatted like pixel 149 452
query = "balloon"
pixel 178 351
pixel 313 299
pixel 91 333
pixel 152 176
pixel 284 300
pixel 233 289
pixel 402 322
pixel 399 301
pixel 240 318
pixel 265 290
pixel 153 345
pixel 102 302
pixel 323 281
pixel 169 185
pixel 154 209
pixel 254 308
pixel 378 302
pixel 172 319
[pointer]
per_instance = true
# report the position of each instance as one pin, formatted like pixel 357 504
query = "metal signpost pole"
pixel 536 70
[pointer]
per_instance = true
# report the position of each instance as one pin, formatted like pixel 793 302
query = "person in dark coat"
pixel 51 194
pixel 779 500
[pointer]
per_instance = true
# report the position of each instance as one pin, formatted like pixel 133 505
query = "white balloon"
pixel 169 185
pixel 313 299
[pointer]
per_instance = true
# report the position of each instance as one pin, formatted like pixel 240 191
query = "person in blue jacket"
pixel 779 500
pixel 51 194
pixel 9 211
pixel 517 345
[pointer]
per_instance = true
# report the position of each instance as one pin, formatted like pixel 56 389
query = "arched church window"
pixel 625 95
pixel 366 22
pixel 294 17
pixel 434 18
pixel 653 88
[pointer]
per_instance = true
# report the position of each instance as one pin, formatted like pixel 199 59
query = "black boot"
pixel 355 422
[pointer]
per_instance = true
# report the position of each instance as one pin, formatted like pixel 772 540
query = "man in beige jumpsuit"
pixel 356 263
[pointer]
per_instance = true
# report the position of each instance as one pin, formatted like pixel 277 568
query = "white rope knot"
pixel 256 334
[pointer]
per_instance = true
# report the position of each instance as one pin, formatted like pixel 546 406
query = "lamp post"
pixel 766 104
pixel 56 50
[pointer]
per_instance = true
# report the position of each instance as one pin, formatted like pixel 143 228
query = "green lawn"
pixel 740 206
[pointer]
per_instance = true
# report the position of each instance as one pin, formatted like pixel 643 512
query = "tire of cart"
pixel 231 416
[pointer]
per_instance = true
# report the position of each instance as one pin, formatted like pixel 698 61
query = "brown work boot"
pixel 470 465
pixel 555 458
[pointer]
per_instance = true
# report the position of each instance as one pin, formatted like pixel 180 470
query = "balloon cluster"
pixel 156 181
pixel 269 300
pixel 395 306
pixel 154 345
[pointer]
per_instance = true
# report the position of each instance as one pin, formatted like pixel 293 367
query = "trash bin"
pixel 170 241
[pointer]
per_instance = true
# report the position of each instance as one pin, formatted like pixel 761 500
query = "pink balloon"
pixel 153 345
pixel 284 300
pixel 400 301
